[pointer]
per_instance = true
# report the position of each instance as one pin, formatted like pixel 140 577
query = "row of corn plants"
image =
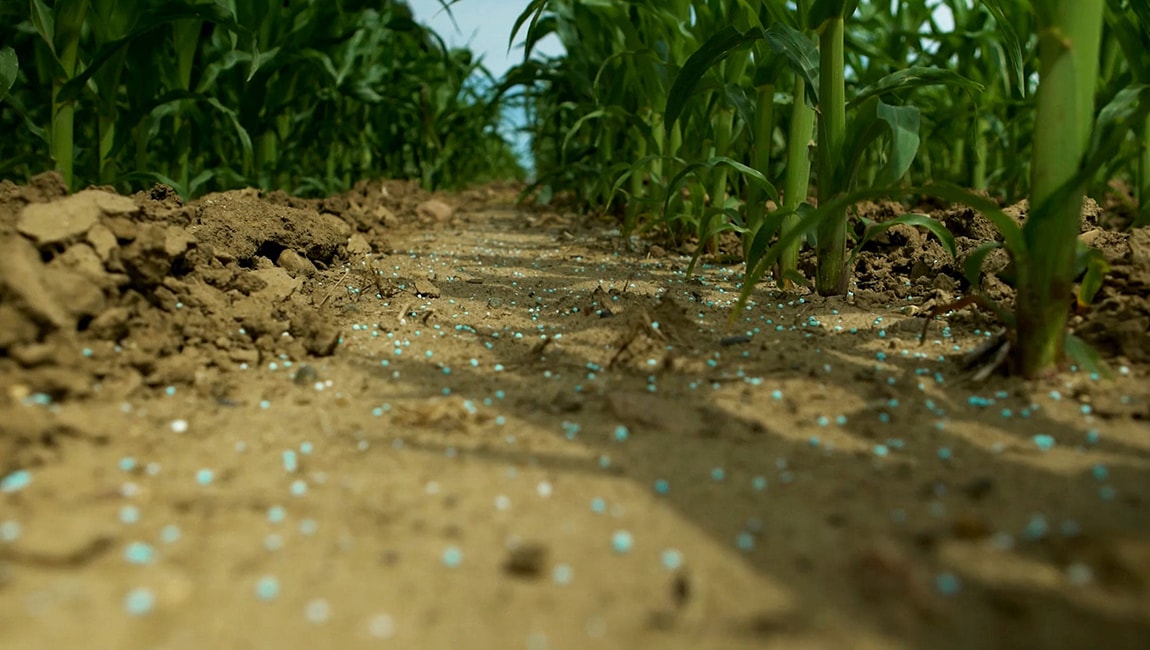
pixel 305 95
pixel 691 114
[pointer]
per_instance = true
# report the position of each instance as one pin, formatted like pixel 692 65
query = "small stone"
pixel 979 488
pixel 385 216
pixel 357 244
pixel 244 355
pixel 296 264
pixel 435 210
pixel 526 560
pixel 426 289
pixel 970 527
pixel 305 375
pixel 944 282
pixel 279 284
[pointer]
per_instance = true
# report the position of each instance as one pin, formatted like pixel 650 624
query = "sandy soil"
pixel 394 420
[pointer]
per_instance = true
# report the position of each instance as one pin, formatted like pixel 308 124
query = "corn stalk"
pixel 1069 34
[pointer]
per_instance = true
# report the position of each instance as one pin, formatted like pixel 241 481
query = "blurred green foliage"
pixel 303 95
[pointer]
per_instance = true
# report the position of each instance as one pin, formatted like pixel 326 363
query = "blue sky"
pixel 484 26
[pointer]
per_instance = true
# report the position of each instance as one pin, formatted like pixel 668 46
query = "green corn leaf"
pixel 1142 10
pixel 153 177
pixel 1128 110
pixel 798 279
pixel 709 228
pixel 872 120
pixel 32 159
pixel 234 119
pixel 752 175
pixel 1133 39
pixel 914 77
pixel 531 13
pixel 198 182
pixel 823 10
pixel 165 14
pixel 1085 357
pixel 185 193
pixel 68 16
pixel 761 240
pixel 540 28
pixel 631 170
pixel 799 51
pixel 801 55
pixel 1010 231
pixel 45 23
pixel 933 226
pixel 864 129
pixel 809 222
pixel 35 129
pixel 9 68
pixel 904 124
pixel 736 96
pixel 256 60
pixel 716 49
pixel 972 265
pixel 593 115
pixel 1091 264
pixel 1011 45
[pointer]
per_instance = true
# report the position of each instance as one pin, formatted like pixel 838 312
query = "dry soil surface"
pixel 392 420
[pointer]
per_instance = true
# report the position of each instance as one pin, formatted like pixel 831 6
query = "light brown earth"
pixel 400 421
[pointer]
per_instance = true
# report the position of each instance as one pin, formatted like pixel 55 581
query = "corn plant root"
pixel 394 419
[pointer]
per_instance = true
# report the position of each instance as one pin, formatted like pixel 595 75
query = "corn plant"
pixel 873 58
pixel 840 153
pixel 210 94
pixel 1071 145
pixel 781 42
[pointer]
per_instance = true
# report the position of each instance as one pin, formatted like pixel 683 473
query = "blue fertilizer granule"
pixel 452 557
pixel 947 584
pixel 562 574
pixel 15 481
pixel 139 601
pixel 622 542
pixel 139 553
pixel 267 588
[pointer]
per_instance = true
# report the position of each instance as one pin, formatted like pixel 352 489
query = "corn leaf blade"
pixel 1011 233
pixel 914 77
pixel 1086 357
pixel 799 51
pixel 929 224
pixel 9 68
pixel 972 265
pixel 165 14
pixel 903 122
pixel 1011 45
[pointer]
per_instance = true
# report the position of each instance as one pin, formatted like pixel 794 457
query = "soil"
pixel 392 419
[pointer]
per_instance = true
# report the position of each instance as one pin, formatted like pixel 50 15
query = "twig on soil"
pixel 332 290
